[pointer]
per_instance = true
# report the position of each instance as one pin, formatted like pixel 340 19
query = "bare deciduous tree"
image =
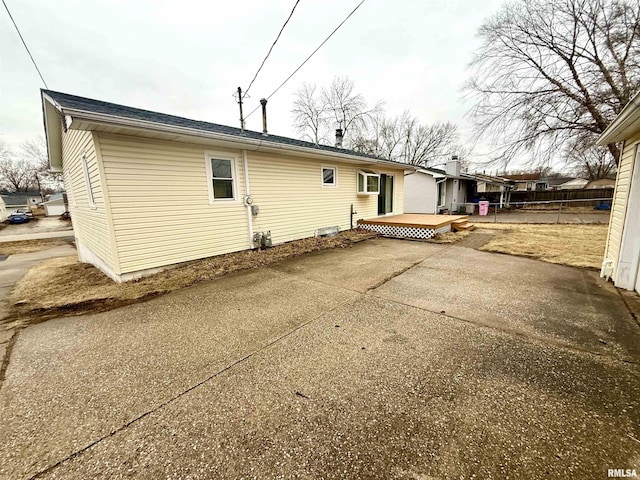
pixel 317 114
pixel 404 139
pixel 369 130
pixel 28 168
pixel 16 174
pixel 35 151
pixel 310 115
pixel 554 73
pixel 427 144
pixel 592 163
pixel 347 109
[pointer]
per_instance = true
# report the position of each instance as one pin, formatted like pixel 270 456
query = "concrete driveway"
pixel 390 359
pixel 40 228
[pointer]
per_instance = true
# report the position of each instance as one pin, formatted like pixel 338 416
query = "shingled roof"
pixel 82 104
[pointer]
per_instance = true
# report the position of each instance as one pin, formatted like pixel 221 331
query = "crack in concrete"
pixel 7 357
pixel 186 391
pixel 532 339
pixel 515 333
pixel 512 332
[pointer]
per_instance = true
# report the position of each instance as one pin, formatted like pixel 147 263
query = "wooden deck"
pixel 415 220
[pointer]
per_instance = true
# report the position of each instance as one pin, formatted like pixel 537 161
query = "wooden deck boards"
pixel 415 220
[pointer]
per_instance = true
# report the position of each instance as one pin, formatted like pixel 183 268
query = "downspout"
pixel 247 194
pixel 438 182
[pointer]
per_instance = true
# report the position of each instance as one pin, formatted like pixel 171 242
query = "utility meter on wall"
pixel 248 200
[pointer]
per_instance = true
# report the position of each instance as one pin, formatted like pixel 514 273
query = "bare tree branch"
pixel 551 75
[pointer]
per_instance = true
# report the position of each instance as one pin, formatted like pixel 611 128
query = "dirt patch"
pixel 64 286
pixel 573 245
pixel 30 246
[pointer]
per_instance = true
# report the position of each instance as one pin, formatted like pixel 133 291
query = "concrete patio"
pixel 391 359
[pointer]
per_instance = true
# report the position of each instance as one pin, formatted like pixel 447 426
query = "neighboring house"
pixel 16 200
pixel 3 211
pixel 55 205
pixel 148 190
pixel 494 189
pixel 622 251
pixel 432 190
pixel 601 183
pixel 526 181
pixel 566 183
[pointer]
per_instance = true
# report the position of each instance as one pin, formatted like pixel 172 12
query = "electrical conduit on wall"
pixel 247 194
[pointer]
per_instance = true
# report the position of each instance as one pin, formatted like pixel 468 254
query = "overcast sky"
pixel 188 57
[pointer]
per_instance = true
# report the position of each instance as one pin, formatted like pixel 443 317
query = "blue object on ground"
pixel 603 206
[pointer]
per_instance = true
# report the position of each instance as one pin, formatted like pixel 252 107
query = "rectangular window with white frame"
pixel 329 176
pixel 221 172
pixel 87 178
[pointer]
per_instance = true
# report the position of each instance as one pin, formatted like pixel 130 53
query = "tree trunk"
pixel 615 151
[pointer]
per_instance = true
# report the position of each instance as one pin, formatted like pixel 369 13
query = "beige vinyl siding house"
pixel 84 183
pixel 148 190
pixel 622 254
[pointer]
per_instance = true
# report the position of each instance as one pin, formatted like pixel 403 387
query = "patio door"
pixel 385 197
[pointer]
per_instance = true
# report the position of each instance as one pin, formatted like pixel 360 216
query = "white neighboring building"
pixel 421 191
pixel 575 184
pixel 622 252
pixel 432 190
pixel 55 205
pixel 3 210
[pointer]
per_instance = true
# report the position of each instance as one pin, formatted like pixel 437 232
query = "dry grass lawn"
pixel 450 237
pixel 29 246
pixel 64 286
pixel 574 245
pixel 554 207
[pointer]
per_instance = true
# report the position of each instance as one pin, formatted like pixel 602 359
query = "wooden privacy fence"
pixel 551 195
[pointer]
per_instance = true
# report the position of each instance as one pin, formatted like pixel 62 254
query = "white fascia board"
pixel 616 131
pixel 52 132
pixel 240 143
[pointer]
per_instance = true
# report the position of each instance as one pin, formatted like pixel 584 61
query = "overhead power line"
pixel 309 57
pixel 272 45
pixel 25 44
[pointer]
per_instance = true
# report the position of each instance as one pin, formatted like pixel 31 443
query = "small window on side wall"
pixel 329 178
pixel 87 178
pixel 368 183
pixel 221 172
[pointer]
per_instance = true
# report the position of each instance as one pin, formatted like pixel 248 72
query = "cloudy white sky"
pixel 188 57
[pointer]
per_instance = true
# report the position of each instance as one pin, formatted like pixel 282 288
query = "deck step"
pixel 460 226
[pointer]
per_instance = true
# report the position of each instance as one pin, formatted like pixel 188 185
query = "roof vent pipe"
pixel 339 138
pixel 263 102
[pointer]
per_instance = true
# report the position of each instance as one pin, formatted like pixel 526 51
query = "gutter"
pixel 620 122
pixel 242 142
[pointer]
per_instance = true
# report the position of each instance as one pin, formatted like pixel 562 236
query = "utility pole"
pixel 240 103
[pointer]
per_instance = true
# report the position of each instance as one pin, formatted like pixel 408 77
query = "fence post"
pixel 495 214
pixel 559 211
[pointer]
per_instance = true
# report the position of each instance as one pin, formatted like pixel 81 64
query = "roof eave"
pixel 52 116
pixel 618 130
pixel 254 144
